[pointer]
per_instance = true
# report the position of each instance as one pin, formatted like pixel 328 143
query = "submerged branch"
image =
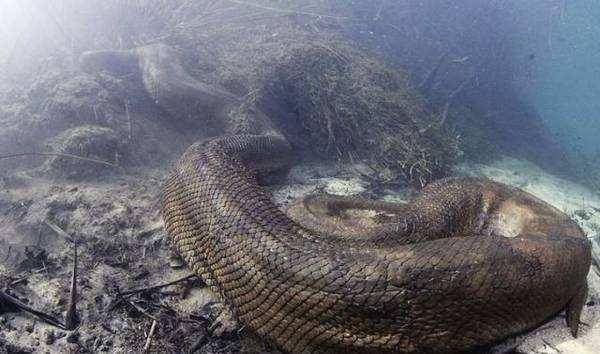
pixel 427 83
pixel 9 299
pixel 60 155
pixel 71 314
pixel 451 97
pixel 59 231
pixel 154 287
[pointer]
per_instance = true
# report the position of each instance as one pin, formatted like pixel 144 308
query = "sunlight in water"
pixel 15 17
pixel 29 28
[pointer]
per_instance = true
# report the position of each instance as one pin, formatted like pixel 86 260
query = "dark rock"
pixel 90 341
pixel 73 337
pixel 175 261
pixel 49 337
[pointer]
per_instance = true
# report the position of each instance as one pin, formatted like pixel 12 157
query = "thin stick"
pixel 140 310
pixel 130 130
pixel 428 81
pixel 71 314
pixel 58 230
pixel 20 305
pixel 17 281
pixel 154 287
pixel 451 97
pixel 338 55
pixel 381 5
pixel 149 339
pixel 287 11
pixel 551 346
pixel 59 155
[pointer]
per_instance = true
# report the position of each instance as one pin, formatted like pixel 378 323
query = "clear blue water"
pixel 564 85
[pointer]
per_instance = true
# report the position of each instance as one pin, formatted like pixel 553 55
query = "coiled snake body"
pixel 466 264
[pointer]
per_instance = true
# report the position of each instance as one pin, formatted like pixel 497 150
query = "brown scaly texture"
pixel 466 264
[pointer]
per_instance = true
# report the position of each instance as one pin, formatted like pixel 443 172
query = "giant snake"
pixel 466 264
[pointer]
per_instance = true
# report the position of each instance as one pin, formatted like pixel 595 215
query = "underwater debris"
pixel 83 99
pixel 7 301
pixel 429 79
pixel 328 99
pixel 346 104
pixel 89 142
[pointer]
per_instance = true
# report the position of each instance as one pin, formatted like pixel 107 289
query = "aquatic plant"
pixel 349 105
pixel 330 97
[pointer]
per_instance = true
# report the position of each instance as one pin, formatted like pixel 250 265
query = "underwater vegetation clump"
pixel 330 97
pixel 348 105
pixel 92 142
pixel 77 126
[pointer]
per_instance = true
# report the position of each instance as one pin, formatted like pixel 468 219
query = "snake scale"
pixel 466 264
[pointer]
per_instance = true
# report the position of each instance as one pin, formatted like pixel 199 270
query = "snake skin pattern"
pixel 466 264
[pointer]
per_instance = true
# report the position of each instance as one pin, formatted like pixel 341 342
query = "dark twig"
pixel 199 343
pixel 17 281
pixel 71 314
pixel 6 298
pixel 155 287
pixel 59 155
pixel 139 309
pixel 551 346
pixel 23 278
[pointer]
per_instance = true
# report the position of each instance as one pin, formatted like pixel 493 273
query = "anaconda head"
pixel 522 214
pixel 115 62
